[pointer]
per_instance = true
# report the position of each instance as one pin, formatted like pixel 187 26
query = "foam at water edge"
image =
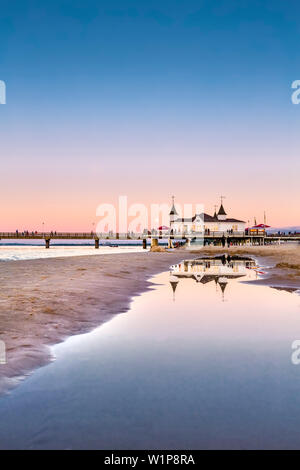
pixel 29 253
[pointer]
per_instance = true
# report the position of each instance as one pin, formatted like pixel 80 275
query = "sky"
pixel 148 99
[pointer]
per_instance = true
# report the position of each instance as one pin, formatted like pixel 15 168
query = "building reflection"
pixel 218 269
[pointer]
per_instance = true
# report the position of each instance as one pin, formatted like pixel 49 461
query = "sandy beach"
pixel 44 301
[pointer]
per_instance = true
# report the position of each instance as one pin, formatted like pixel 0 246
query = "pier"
pixel 236 238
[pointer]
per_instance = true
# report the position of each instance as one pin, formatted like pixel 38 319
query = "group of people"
pixel 229 231
pixel 26 233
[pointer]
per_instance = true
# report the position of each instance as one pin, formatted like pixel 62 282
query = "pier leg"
pixel 96 243
pixel 47 241
pixel 144 243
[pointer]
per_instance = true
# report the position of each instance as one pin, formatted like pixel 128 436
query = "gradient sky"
pixel 148 99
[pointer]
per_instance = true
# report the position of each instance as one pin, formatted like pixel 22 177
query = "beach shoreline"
pixel 45 301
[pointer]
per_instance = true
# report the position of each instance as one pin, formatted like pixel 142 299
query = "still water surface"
pixel 207 366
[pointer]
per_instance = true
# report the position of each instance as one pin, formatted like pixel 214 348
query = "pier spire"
pixel 173 213
pixel 222 214
pixel 173 208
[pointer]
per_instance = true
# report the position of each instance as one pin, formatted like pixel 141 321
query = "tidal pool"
pixel 201 361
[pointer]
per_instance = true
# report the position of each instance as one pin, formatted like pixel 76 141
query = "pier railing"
pixel 72 235
pixel 125 236
pixel 207 234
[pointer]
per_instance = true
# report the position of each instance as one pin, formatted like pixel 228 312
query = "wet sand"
pixel 44 301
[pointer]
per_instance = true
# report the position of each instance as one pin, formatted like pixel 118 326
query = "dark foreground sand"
pixel 44 301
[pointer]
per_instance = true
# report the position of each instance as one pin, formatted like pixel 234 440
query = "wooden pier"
pixel 236 238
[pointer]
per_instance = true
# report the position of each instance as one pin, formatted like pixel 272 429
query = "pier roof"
pixel 208 218
pixel 221 210
pixel 173 210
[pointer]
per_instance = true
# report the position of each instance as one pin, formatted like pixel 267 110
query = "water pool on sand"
pixel 207 366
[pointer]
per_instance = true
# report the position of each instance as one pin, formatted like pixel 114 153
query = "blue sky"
pixel 98 88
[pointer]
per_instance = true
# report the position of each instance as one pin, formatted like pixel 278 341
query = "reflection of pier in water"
pixel 219 269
